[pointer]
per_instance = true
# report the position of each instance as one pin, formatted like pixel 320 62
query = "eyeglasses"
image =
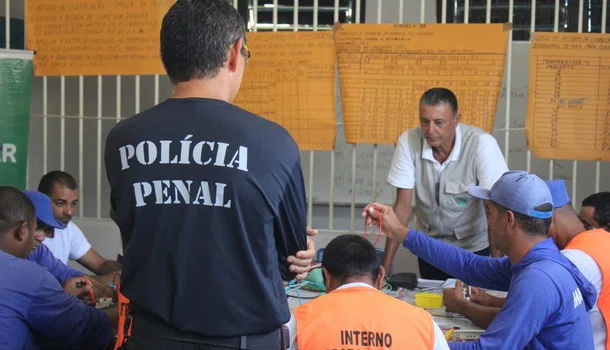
pixel 246 52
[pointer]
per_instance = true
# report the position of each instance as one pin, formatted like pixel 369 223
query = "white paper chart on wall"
pixel 343 169
pixel 343 173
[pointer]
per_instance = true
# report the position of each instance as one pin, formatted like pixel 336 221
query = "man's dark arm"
pixel 403 210
pixel 480 315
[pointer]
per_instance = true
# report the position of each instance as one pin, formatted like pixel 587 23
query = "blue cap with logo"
pixel 518 191
pixel 44 211
pixel 559 192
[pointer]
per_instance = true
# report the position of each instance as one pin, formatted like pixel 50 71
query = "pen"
pixel 87 282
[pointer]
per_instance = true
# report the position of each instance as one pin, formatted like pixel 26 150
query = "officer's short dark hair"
pixel 15 208
pixel 56 177
pixel 196 36
pixel 438 95
pixel 350 256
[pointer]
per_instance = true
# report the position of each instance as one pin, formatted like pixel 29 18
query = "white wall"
pixel 104 236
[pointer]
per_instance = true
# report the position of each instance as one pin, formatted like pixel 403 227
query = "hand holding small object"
pixel 375 213
pixel 454 298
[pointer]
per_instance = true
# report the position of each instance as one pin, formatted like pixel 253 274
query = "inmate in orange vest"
pixel 596 244
pixel 123 302
pixel 362 318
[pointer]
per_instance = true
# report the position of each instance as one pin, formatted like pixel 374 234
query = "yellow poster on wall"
pixel 568 110
pixel 290 80
pixel 95 37
pixel 385 68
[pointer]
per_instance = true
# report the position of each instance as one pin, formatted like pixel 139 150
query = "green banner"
pixel 15 93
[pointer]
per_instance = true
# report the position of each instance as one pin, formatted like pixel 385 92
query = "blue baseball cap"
pixel 559 192
pixel 44 211
pixel 518 191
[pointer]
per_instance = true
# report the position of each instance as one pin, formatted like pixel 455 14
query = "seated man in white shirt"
pixel 70 243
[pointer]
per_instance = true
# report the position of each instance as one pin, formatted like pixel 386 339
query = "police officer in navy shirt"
pixel 208 197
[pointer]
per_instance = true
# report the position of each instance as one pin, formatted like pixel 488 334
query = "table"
pixel 446 321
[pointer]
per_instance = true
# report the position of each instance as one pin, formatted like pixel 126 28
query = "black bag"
pixel 407 280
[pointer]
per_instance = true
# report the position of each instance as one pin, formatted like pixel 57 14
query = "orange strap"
pixel 125 320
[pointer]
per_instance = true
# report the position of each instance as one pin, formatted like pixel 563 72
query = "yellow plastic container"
pixel 429 300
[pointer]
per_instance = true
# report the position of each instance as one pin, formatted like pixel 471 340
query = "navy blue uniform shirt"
pixel 210 202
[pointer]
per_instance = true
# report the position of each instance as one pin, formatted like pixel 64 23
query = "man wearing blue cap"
pixel 34 309
pixel 548 298
pixel 71 279
pixel 587 250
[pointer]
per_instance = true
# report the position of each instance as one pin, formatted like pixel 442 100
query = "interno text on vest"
pixel 185 152
pixel 352 340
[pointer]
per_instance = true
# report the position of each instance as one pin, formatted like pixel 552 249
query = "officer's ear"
pixel 380 277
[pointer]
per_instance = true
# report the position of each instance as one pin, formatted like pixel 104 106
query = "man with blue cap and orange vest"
pixel 587 250
pixel 548 298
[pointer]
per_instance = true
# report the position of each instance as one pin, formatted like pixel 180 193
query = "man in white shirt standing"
pixel 438 161
pixel 70 243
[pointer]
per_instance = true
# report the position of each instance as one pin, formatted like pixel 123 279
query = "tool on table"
pixel 467 292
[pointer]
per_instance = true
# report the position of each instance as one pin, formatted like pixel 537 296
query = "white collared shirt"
pixel 440 343
pixel 489 169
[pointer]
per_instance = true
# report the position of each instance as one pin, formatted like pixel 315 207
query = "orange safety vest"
pixel 123 304
pixel 362 318
pixel 596 244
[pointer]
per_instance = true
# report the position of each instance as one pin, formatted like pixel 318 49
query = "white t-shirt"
pixel 68 243
pixel 590 270
pixel 489 168
pixel 440 343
